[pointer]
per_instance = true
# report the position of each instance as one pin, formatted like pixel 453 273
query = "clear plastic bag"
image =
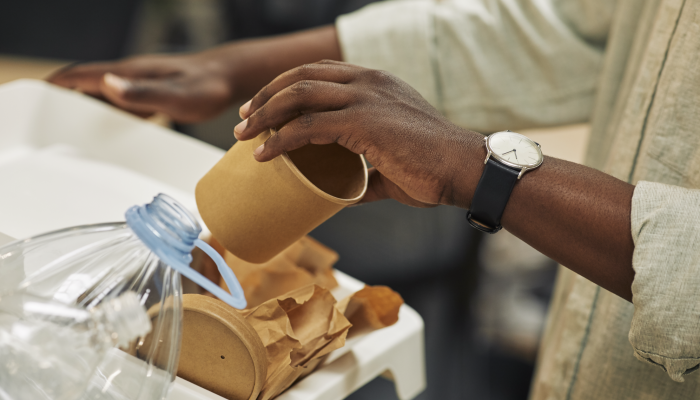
pixel 91 265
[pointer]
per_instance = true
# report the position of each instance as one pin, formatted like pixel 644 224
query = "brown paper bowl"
pixel 220 351
pixel 256 210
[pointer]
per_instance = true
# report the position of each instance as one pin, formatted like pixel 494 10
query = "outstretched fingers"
pixel 144 95
pixel 83 77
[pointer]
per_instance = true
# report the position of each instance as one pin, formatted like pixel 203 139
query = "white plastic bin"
pixel 66 159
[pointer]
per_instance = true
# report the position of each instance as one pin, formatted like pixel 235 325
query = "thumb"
pixel 139 95
pixel 380 187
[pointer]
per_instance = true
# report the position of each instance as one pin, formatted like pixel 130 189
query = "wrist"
pixel 251 64
pixel 464 166
pixel 227 64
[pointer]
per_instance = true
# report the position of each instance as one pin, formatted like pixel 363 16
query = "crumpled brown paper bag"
pixel 303 263
pixel 297 318
pixel 300 328
pixel 296 329
pixel 372 308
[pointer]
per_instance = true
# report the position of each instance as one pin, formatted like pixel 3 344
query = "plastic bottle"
pixel 47 349
pixel 87 266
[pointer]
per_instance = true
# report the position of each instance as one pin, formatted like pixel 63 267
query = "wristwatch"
pixel 508 156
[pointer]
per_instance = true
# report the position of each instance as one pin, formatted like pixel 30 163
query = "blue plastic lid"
pixel 171 232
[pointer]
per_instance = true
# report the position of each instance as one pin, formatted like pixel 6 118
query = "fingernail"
pixel 243 111
pixel 117 83
pixel 259 150
pixel 240 128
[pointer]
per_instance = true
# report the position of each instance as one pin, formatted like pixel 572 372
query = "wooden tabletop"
pixel 12 67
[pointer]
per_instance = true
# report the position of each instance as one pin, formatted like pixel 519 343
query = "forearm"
pixel 576 215
pixel 251 64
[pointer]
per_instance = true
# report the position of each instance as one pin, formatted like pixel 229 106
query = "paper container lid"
pixel 221 351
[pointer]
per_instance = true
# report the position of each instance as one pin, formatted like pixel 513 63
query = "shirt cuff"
pixel 665 328
pixel 387 35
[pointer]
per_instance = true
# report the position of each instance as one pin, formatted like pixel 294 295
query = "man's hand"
pixel 188 88
pixel 195 87
pixel 574 214
pixel 414 149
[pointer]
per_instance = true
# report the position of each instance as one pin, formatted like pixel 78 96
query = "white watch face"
pixel 514 149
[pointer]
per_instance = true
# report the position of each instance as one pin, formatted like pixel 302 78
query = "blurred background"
pixel 483 298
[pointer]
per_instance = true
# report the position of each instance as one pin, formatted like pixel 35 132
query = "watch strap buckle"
pixel 482 227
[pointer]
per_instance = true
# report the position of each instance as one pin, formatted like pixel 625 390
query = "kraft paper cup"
pixel 256 209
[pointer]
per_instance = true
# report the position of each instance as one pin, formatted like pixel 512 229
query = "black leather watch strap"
pixel 491 196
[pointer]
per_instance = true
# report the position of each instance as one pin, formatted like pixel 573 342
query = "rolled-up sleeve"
pixel 666 290
pixel 485 64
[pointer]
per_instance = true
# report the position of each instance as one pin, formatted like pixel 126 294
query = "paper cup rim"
pixel 321 193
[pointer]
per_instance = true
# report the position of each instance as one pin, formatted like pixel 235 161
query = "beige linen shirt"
pixel 631 68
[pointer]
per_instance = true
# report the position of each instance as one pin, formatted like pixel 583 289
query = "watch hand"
pixel 516 154
pixel 508 152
